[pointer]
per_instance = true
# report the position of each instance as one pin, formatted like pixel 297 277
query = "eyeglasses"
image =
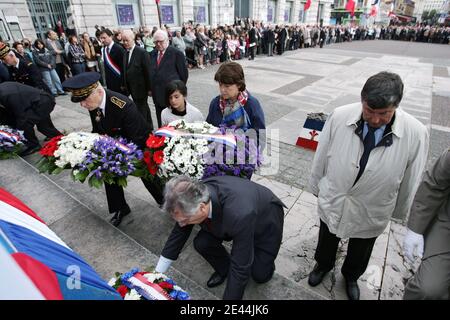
pixel 158 41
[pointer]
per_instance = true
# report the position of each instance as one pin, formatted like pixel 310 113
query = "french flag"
pixel 309 136
pixel 36 264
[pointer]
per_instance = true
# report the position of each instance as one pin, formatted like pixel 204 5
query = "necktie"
pixel 160 55
pixel 369 144
pixel 98 118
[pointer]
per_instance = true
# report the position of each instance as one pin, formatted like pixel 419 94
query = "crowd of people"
pixel 203 46
pixel 367 167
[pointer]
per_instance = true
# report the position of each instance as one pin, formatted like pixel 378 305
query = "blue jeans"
pixel 51 79
pixel 78 68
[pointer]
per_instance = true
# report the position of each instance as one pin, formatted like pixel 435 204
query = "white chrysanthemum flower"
pixel 112 282
pixel 132 295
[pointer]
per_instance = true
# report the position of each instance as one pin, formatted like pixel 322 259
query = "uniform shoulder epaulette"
pixel 118 102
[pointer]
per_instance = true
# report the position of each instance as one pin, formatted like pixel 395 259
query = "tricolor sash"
pixel 110 63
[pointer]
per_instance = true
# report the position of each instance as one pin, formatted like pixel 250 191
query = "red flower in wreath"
pixel 154 142
pixel 123 290
pixel 151 165
pixel 166 285
pixel 158 156
pixel 48 150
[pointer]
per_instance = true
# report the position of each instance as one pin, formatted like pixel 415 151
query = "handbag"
pixel 91 64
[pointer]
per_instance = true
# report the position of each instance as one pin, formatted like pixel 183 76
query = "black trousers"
pixel 159 110
pixel 116 197
pixel 266 244
pixel 45 126
pixel 61 71
pixel 144 109
pixel 358 253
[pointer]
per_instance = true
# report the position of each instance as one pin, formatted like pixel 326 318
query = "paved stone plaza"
pixel 288 87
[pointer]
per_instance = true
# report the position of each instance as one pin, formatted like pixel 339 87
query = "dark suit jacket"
pixel 24 103
pixel 122 118
pixel 242 211
pixel 171 67
pixel 114 82
pixel 136 74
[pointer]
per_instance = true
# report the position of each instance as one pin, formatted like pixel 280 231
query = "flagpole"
pixel 159 12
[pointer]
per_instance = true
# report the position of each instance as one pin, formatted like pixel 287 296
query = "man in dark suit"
pixel 25 107
pixel 136 75
pixel 269 36
pixel 253 40
pixel 227 208
pixel 113 55
pixel 20 70
pixel 115 115
pixel 167 64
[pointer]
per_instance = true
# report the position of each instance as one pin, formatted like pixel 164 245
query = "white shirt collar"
pixel 210 209
pixel 102 105
pixel 17 64
pixel 111 45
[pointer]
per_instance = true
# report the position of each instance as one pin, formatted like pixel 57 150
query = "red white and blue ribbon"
pixel 171 132
pixel 110 63
pixel 12 136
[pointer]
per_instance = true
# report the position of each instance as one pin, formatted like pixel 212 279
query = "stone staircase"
pixel 78 215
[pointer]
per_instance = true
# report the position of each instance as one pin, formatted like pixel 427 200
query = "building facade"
pixel 36 17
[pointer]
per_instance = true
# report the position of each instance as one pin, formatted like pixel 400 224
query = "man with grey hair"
pixel 136 75
pixel 167 64
pixel 227 209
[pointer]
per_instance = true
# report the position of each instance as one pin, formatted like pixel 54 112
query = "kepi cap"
pixel 81 85
pixel 4 50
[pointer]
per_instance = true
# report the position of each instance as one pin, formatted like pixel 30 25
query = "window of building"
pixel 271 9
pixel 170 12
pixel 15 31
pixel 201 11
pixel 301 13
pixel 3 32
pixel 127 13
pixel 288 11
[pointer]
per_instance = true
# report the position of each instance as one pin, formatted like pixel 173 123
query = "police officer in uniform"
pixel 115 115
pixel 20 70
pixel 24 107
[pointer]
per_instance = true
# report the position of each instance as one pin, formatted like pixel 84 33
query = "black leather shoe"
pixel 352 289
pixel 118 216
pixel 215 280
pixel 316 276
pixel 30 150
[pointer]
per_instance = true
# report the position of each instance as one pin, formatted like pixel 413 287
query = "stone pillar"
pixel 223 12
pixel 88 13
pixel 150 13
pixel 187 10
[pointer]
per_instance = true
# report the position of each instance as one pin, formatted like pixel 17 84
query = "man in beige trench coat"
pixel 367 168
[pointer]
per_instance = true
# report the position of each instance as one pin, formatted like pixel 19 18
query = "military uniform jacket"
pixel 24 103
pixel 121 118
pixel 242 211
pixel 430 212
pixel 27 73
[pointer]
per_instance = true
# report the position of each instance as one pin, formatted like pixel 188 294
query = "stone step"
pixel 106 248
pixel 79 215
